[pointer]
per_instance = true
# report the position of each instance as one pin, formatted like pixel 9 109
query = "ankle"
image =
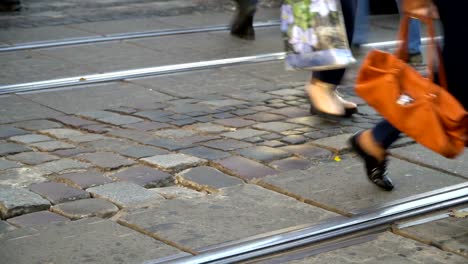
pixel 367 142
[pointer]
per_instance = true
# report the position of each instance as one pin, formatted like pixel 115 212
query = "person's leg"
pixel 361 25
pixel 242 26
pixel 321 88
pixel 414 38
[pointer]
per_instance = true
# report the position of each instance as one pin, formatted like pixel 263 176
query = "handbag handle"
pixel 402 51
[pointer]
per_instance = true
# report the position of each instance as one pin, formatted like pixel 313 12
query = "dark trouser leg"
pixel 335 76
pixel 385 134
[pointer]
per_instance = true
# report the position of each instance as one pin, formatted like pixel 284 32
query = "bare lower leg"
pixel 370 146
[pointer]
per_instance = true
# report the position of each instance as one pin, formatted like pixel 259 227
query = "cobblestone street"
pixel 145 168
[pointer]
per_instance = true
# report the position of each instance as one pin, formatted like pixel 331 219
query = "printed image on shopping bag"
pixel 314 35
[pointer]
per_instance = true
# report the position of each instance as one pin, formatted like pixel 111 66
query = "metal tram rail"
pixel 125 36
pixel 378 216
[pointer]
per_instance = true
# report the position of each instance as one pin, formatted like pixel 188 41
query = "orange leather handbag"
pixel 420 9
pixel 413 104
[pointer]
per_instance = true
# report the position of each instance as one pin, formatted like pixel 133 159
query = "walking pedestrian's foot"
pixel 10 6
pixel 324 100
pixel 415 59
pixel 376 163
pixel 242 26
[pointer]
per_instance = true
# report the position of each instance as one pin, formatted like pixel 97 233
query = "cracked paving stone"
pixel 206 153
pixel 138 152
pixel 264 117
pixel 244 133
pixel 206 179
pixel 83 180
pixel 33 158
pixel 245 168
pixel 294 139
pixel 6 164
pixel 58 192
pixel 276 126
pixel 62 133
pixel 62 165
pixel 9 131
pixel 176 192
pixel 145 176
pixel 336 143
pixel 12 148
pixel 38 125
pixel 52 145
pixel 227 144
pixel 21 177
pixel 209 128
pixel 174 133
pixel 308 151
pixel 119 120
pixel 106 160
pixel 292 163
pixel 37 219
pixel 263 153
pixel 125 194
pixel 15 201
pixel 74 121
pixel 234 122
pixel 148 126
pixel 174 161
pixel 86 208
pixel 31 138
pixel 89 240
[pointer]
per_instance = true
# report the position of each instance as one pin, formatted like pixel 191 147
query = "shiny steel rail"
pixel 138 73
pixel 246 250
pixel 125 36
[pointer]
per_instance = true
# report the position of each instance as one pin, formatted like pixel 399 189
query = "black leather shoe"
pixel 376 171
pixel 242 27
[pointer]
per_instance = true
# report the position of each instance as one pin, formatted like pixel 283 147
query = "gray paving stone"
pixel 294 139
pixel 189 121
pixel 141 151
pixel 74 121
pixel 98 114
pixel 177 192
pixel 244 133
pixel 99 240
pixel 292 163
pixel 206 179
pixel 292 112
pixel 58 192
pixel 9 131
pixel 337 144
pixel 125 194
pixel 12 148
pixel 174 133
pixel 276 126
pixel 244 168
pixel 226 144
pixel 254 140
pixel 33 158
pixel 71 152
pixel 148 126
pixel 106 160
pixel 61 166
pixel 83 180
pixel 18 201
pixel 308 151
pixel 38 124
pixel 31 138
pixel 210 128
pixel 36 219
pixel 344 186
pixel 6 164
pixel 52 145
pixel 153 114
pixel 226 102
pixel 174 162
pixel 316 135
pixel 86 138
pixel 120 120
pixel 110 144
pixel 260 209
pixel 99 129
pixel 20 177
pixel 169 144
pixel 62 133
pixel 5 227
pixel 145 176
pixel 20 108
pixel 206 153
pixel 86 208
pixel 264 117
pixel 273 143
pixel 421 155
pixel 235 122
pixel 287 92
pixel 263 153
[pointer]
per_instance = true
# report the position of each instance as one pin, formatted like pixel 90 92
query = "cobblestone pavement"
pixel 141 169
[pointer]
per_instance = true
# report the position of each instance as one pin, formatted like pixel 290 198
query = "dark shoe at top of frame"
pixel 376 171
pixel 242 27
pixel 10 5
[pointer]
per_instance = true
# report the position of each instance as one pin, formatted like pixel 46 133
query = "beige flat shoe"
pixel 323 99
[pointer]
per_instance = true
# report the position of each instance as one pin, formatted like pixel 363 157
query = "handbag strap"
pixel 402 51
